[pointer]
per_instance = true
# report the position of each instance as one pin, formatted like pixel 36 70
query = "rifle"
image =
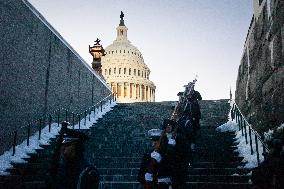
pixel 189 90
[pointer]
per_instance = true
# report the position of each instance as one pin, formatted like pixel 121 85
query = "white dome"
pixel 123 65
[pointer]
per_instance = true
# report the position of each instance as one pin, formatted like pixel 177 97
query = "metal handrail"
pixel 242 122
pixel 56 114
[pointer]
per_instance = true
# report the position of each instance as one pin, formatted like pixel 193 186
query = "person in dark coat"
pixel 74 171
pixel 182 155
pixel 193 113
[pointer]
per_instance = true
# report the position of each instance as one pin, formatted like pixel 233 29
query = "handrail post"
pixel 94 111
pixel 237 120
pixel 244 125
pixel 66 115
pixel 29 133
pixel 49 123
pixel 250 141
pixel 263 147
pixel 231 112
pixel 73 120
pixel 79 120
pixel 39 130
pixel 256 147
pixel 241 123
pixel 85 117
pixel 14 142
pixel 101 106
pixel 90 111
pixel 58 117
pixel 235 112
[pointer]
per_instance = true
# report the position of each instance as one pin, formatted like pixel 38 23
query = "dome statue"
pixel 124 69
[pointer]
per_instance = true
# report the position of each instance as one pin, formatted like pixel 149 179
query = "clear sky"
pixel 178 38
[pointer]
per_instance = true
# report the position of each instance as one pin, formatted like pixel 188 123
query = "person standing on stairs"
pixel 157 169
pixel 192 111
pixel 73 171
pixel 177 153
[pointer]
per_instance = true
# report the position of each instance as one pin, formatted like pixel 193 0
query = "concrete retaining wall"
pixel 260 83
pixel 39 71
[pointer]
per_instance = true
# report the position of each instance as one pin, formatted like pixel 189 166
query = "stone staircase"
pixel 118 156
pixel 119 140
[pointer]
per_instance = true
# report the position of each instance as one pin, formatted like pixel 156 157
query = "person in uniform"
pixel 155 170
pixel 73 171
pixel 193 114
pixel 181 155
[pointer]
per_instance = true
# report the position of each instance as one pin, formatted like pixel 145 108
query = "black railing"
pixel 244 125
pixel 57 117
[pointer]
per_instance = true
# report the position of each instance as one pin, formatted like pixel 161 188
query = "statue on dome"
pixel 121 19
pixel 121 15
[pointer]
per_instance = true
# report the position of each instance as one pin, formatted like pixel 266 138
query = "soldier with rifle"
pixel 192 112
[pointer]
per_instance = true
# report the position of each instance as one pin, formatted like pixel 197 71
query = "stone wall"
pixel 39 72
pixel 260 82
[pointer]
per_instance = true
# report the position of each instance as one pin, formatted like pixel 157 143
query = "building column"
pixel 127 86
pixel 116 84
pixel 140 92
pixel 146 93
pixel 119 88
pixel 149 96
pixel 130 91
pixel 137 92
pixel 123 85
pixel 134 91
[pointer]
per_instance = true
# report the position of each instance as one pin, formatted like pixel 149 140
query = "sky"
pixel 178 39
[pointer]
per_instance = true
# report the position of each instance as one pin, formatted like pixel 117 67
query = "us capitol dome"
pixel 124 69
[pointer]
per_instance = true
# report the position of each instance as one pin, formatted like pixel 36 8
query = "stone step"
pixel 191 171
pixel 190 178
pixel 124 164
pixel 191 185
pixel 35 184
pixel 217 164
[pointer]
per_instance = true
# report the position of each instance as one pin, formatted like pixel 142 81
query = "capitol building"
pixel 124 70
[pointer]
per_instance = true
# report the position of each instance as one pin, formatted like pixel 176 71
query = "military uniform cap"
pixel 69 139
pixel 155 134
pixel 71 135
pixel 64 126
